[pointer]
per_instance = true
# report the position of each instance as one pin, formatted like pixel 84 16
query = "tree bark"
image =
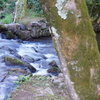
pixel 76 46
pixel 19 10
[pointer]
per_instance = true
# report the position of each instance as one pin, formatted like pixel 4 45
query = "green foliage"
pixel 23 79
pixel 42 78
pixel 7 5
pixel 7 8
pixel 35 6
pixel 31 13
pixel 94 10
pixel 7 19
pixel 2 4
pixel 92 1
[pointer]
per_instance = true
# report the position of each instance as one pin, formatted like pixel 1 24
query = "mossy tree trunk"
pixel 76 45
pixel 19 10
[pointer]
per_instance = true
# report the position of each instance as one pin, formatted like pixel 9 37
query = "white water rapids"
pixel 41 51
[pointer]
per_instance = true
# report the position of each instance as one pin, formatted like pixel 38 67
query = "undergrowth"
pixel 7 19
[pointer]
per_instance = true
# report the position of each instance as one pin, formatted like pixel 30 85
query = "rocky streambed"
pixel 17 57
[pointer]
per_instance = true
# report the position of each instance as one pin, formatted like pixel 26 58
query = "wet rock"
pixel 10 61
pixel 27 59
pixel 9 34
pixel 13 27
pixel 15 54
pixel 24 35
pixel 38 56
pixel 31 68
pixel 53 63
pixel 44 64
pixel 18 71
pixel 43 24
pixel 54 69
pixel 35 49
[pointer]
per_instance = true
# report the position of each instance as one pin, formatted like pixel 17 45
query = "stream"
pixel 37 53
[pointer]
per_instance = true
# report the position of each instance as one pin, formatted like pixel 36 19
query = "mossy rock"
pixel 54 70
pixel 9 35
pixel 53 63
pixel 5 31
pixel 12 61
pixel 2 28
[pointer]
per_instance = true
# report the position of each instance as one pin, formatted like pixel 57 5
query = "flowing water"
pixel 38 53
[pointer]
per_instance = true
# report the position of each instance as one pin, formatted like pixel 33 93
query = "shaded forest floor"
pixel 41 88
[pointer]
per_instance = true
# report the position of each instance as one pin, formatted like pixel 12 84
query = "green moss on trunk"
pixel 78 46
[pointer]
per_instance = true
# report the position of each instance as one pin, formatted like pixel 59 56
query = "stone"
pixel 18 71
pixel 11 61
pixel 13 27
pixel 54 70
pixel 44 64
pixel 58 81
pixel 27 58
pixel 48 90
pixel 31 68
pixel 23 27
pixel 3 28
pixel 53 63
pixel 34 32
pixel 25 32
pixel 35 24
pixel 24 35
pixel 61 75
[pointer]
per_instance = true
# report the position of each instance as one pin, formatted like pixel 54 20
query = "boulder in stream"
pixel 11 61
pixel 54 69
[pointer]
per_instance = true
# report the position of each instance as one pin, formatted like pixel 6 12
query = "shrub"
pixel 34 5
pixel 7 19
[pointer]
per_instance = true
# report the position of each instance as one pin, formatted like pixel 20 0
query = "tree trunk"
pixel 75 43
pixel 19 10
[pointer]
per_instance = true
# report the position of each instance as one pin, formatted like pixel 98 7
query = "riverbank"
pixel 41 88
